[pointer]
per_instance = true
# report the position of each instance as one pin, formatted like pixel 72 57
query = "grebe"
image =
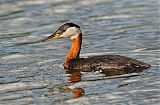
pixel 103 62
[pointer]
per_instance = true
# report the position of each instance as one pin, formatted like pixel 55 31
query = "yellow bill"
pixel 51 37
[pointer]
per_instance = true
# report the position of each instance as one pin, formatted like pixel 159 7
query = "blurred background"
pixel 32 72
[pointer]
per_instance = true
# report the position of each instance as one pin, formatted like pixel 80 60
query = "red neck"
pixel 74 50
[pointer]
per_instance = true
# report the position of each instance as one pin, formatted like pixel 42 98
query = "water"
pixel 32 72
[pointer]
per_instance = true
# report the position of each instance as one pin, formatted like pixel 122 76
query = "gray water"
pixel 32 72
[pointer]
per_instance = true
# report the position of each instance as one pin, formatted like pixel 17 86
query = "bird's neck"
pixel 74 50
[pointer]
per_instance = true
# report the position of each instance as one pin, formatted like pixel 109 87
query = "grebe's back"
pixel 107 63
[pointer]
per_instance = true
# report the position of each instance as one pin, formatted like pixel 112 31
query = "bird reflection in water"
pixel 74 77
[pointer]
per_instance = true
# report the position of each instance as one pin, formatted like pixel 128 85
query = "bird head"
pixel 66 30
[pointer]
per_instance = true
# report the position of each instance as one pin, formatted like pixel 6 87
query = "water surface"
pixel 32 72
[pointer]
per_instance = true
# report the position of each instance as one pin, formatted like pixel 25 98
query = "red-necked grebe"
pixel 103 62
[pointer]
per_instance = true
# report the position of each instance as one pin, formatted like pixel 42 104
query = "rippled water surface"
pixel 32 72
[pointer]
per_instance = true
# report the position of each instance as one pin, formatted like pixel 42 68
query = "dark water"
pixel 32 72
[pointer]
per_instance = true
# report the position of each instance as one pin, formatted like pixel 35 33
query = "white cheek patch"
pixel 71 32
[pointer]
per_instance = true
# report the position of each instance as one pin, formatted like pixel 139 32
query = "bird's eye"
pixel 62 30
